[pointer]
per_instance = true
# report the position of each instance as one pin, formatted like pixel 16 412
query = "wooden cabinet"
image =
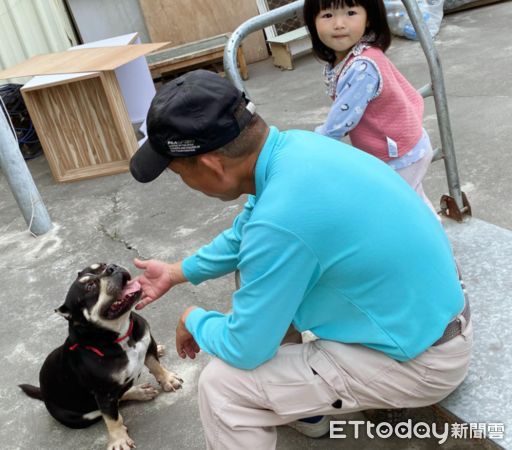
pixel 83 125
pixel 81 117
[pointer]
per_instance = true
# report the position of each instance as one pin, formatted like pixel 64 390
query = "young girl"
pixel 373 103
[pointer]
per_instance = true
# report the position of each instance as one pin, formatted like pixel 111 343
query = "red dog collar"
pixel 128 333
pixel 99 352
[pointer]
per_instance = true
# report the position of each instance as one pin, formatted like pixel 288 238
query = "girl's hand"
pixel 157 279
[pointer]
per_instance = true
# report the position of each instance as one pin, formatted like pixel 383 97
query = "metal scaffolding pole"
pixel 21 183
pixel 455 205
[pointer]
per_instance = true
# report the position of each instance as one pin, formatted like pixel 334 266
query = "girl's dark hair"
pixel 377 19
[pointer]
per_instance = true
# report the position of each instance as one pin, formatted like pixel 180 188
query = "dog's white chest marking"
pixel 136 355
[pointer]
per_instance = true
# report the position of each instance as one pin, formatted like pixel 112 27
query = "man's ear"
pixel 63 311
pixel 213 162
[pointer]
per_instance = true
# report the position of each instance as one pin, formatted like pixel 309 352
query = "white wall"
pixel 102 19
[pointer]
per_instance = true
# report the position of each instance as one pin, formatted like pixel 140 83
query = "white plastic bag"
pixel 400 24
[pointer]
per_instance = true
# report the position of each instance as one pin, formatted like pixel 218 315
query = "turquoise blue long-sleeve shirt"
pixel 335 242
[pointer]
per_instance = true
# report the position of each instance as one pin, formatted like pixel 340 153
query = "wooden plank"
pixel 52 80
pixel 182 53
pixel 192 63
pixel 201 46
pixel 193 55
pixel 80 60
pixel 167 69
pixel 282 56
pixel 84 173
pixel 202 56
pixel 240 57
pixel 288 45
pixel 120 116
pixel 184 21
pixel 294 35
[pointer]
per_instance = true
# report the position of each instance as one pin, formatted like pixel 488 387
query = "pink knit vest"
pixel 397 112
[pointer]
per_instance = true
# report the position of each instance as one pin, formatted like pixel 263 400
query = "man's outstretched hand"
pixel 157 279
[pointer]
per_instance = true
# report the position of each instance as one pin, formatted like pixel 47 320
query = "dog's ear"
pixel 63 311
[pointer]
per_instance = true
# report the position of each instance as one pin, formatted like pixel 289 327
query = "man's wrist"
pixel 175 273
pixel 185 314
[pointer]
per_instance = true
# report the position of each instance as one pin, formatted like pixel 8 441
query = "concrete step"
pixel 484 252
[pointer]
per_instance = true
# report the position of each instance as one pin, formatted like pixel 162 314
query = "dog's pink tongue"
pixel 131 287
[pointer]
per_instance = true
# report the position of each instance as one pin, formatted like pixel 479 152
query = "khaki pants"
pixel 240 408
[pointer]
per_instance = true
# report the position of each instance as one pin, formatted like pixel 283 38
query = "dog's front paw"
pixel 118 437
pixel 147 391
pixel 122 443
pixel 170 382
pixel 140 392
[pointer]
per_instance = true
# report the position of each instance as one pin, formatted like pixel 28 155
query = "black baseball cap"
pixel 190 115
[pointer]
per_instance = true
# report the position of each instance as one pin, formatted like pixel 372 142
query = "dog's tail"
pixel 31 391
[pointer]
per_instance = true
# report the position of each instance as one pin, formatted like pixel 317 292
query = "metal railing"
pixel 454 205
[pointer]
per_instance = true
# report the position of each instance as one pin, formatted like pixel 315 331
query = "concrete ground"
pixel 115 219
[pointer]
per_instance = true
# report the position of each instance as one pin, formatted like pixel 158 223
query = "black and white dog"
pixel 103 355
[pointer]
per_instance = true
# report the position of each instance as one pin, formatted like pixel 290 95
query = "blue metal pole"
pixel 20 181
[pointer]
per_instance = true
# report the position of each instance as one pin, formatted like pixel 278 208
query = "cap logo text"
pixel 188 145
